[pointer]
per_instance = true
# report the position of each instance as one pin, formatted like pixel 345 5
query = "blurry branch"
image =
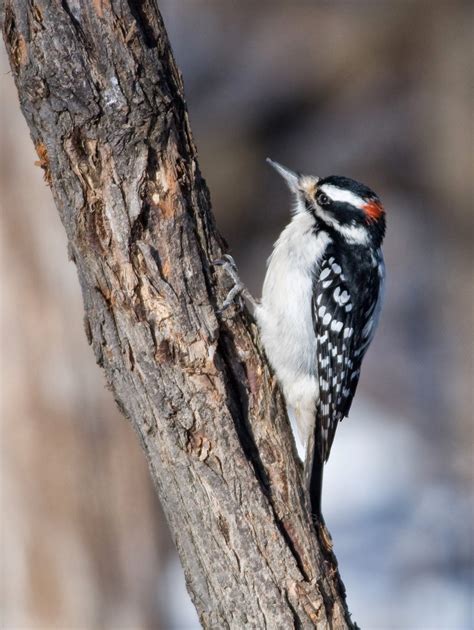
pixel 104 101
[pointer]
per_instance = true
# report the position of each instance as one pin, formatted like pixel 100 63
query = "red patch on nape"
pixel 373 210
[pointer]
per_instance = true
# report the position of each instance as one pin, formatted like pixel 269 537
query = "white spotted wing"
pixel 342 319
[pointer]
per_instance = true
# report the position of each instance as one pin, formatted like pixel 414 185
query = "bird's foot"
pixel 238 292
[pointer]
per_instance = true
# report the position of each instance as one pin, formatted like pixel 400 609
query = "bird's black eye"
pixel 322 199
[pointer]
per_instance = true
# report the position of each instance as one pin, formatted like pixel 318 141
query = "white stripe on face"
pixel 352 233
pixel 346 196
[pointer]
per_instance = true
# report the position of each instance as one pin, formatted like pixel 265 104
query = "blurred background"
pixel 378 91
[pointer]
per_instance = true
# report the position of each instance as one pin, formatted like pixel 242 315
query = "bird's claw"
pixel 228 263
pixel 225 261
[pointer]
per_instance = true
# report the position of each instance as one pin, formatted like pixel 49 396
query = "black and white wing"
pixel 346 304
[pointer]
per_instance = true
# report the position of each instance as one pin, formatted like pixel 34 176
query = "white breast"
pixel 284 315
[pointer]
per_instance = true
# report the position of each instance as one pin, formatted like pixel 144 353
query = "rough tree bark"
pixel 104 101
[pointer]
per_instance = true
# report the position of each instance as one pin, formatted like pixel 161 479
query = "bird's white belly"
pixel 286 322
pixel 285 317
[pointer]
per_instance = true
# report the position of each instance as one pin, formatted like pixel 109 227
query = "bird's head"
pixel 339 204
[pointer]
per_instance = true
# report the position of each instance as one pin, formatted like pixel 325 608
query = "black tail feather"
pixel 314 467
pixel 316 485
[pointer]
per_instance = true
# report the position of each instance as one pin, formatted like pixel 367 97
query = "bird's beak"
pixel 291 178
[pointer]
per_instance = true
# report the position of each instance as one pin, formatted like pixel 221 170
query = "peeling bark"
pixel 104 101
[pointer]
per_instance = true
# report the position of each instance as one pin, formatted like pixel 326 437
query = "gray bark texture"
pixel 104 102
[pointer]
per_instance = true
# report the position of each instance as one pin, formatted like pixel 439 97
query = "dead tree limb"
pixel 104 102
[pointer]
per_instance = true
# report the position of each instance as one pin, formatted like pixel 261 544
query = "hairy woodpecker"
pixel 320 306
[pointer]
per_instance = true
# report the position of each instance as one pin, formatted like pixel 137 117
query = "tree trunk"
pixel 104 102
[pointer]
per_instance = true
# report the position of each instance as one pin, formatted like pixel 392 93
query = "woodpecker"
pixel 320 306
